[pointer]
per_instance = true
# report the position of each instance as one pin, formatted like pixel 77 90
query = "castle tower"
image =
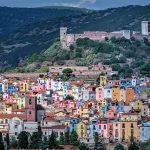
pixel 63 37
pixel 145 27
pixel 30 108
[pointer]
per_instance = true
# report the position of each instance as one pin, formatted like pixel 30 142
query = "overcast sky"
pixel 91 4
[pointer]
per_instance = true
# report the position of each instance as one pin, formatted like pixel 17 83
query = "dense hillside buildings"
pixel 115 109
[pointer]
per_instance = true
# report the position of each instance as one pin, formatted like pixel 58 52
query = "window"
pixel 94 128
pixel 123 125
pixel 132 125
pixel 16 126
pixel 104 126
pixel 81 126
pixel 30 101
pixel 29 112
pixel 116 132
pixel 99 126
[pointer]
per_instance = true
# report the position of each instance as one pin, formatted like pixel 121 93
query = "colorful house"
pixel 81 129
pixel 116 93
pixel 129 95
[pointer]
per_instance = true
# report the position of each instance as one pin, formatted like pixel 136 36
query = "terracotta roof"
pixel 78 83
pixel 55 127
pixel 19 110
pixel 10 116
pixel 129 113
pixel 50 119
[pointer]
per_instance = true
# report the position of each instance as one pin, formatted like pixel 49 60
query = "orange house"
pixel 129 95
pixel 116 93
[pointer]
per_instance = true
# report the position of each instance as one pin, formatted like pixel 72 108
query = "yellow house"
pixel 137 105
pixel 24 86
pixel 116 93
pixel 81 130
pixel 84 109
pixel 103 80
pixel 144 109
pixel 142 106
pixel 128 127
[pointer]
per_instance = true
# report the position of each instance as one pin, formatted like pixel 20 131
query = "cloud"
pixel 79 3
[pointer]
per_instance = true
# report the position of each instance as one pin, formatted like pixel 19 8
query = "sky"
pixel 90 4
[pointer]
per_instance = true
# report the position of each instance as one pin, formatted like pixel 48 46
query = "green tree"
pixel 69 97
pixel 52 142
pixel 83 146
pixel 133 146
pixel 67 137
pixel 145 69
pixel 1 142
pixel 23 139
pixel 74 138
pixel 7 139
pixel 35 140
pixel 119 147
pixel 62 139
pixel 99 144
pixel 67 71
pixel 39 129
pixel 44 69
pixel 115 67
pixel 13 143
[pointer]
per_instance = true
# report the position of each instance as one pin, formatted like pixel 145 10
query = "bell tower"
pixel 30 108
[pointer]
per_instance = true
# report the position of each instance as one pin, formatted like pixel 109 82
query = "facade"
pixel 144 131
pixel 112 109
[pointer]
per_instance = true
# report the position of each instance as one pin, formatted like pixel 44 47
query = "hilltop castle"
pixel 70 39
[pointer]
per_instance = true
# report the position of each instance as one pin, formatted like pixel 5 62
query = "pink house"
pixel 70 104
pixel 103 127
pixel 37 88
pixel 99 93
pixel 113 108
pixel 110 114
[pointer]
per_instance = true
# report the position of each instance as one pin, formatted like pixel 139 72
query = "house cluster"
pixel 118 110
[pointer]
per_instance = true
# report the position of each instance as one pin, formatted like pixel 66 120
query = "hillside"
pixel 125 56
pixel 37 35
pixel 13 19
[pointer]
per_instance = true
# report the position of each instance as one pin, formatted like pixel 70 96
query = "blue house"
pixel 93 126
pixel 125 83
pixel 137 89
pixel 120 107
pixel 11 89
pixel 1 88
pixel 79 104
pixel 73 124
